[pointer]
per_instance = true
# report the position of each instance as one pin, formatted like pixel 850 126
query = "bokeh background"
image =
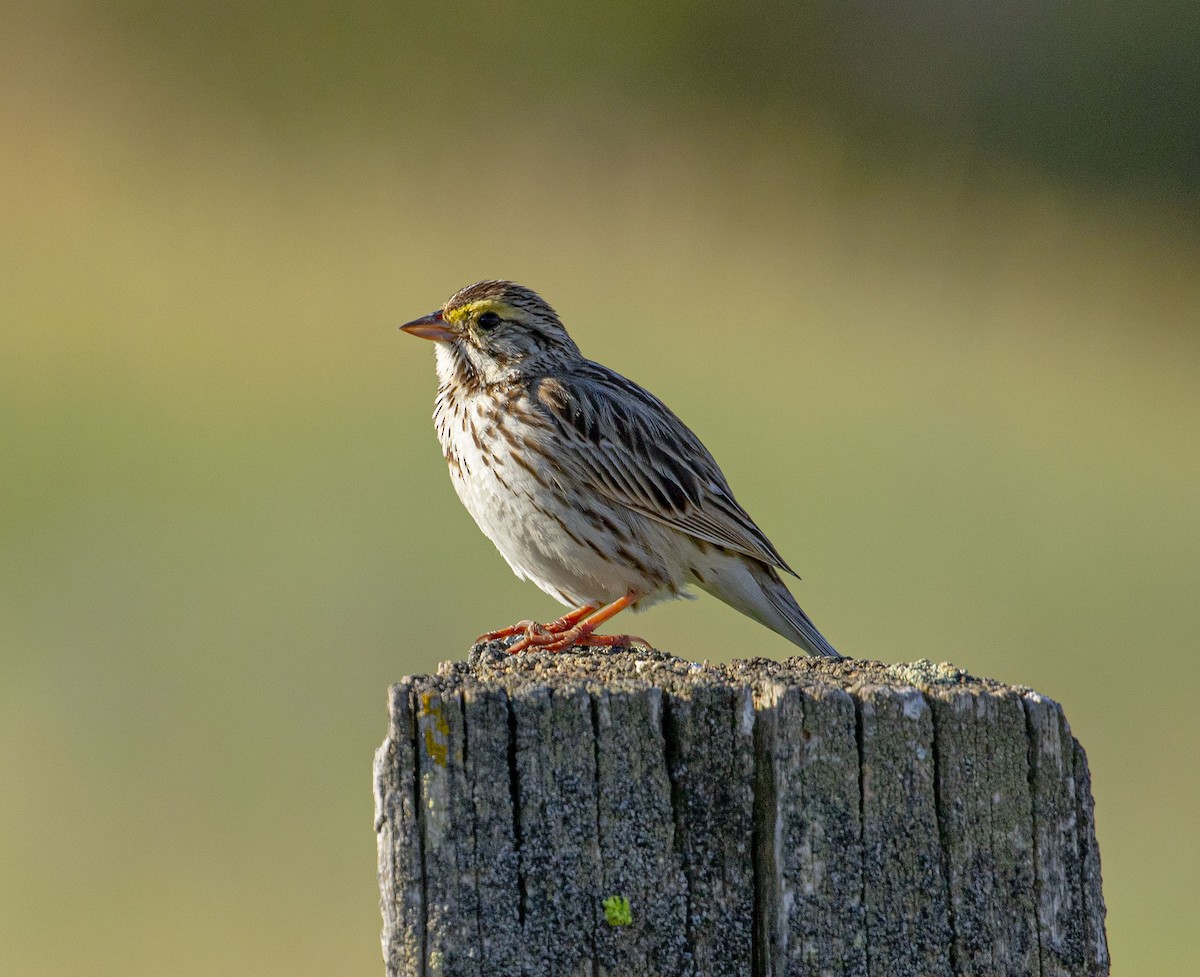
pixel 924 277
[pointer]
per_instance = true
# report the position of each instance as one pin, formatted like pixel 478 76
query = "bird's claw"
pixel 555 643
pixel 507 632
pixel 573 628
pixel 535 632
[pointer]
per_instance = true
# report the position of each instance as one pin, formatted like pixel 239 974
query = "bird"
pixel 588 485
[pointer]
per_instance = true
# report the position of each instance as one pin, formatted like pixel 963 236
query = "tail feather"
pixel 802 630
pixel 756 590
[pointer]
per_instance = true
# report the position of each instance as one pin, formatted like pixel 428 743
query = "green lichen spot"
pixel 616 911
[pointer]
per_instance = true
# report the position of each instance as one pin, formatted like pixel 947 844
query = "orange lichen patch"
pixel 437 730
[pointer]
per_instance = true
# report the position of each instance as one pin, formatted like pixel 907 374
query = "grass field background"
pixel 952 370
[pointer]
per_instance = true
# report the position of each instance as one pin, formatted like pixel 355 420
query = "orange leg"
pixel 581 633
pixel 565 622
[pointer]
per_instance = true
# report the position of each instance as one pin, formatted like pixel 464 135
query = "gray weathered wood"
pixel 1094 942
pixel 1070 906
pixel 711 761
pixel 497 866
pixel 810 861
pixel 908 931
pixel 760 819
pixel 638 853
pixel 986 825
pixel 401 877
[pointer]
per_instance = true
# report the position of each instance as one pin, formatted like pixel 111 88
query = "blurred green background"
pixel 924 278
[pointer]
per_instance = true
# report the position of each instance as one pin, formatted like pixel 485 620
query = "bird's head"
pixel 493 331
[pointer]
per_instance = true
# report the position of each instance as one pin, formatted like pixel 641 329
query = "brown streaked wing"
pixel 627 445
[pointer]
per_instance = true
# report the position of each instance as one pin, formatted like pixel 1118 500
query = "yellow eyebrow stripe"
pixel 463 312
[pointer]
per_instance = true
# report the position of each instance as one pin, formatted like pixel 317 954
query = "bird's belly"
pixel 577 550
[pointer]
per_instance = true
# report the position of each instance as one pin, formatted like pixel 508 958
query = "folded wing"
pixel 629 447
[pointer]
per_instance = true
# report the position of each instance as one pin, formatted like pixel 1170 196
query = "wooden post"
pixel 627 813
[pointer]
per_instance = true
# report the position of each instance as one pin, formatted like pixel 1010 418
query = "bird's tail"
pixel 756 590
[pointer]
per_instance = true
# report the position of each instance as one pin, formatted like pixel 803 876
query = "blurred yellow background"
pixel 924 278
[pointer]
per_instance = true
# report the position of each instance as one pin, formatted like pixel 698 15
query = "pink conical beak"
pixel 431 326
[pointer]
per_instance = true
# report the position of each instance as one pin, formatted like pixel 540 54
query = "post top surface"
pixel 489 663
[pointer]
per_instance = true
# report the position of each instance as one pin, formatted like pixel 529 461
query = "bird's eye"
pixel 489 321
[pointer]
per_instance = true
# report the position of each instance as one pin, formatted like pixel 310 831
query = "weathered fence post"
pixel 627 813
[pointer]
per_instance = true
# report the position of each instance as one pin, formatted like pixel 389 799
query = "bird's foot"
pixel 581 633
pixel 576 637
pixel 532 628
pixel 573 628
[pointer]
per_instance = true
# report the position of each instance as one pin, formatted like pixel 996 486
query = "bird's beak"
pixel 431 326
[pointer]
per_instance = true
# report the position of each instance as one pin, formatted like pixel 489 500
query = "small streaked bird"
pixel 587 484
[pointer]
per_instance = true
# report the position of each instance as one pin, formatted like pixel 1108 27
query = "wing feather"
pixel 627 445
